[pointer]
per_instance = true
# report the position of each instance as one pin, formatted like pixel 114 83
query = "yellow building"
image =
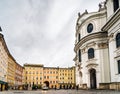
pixel 33 75
pixel 11 72
pixel 67 77
pixel 36 75
pixel 51 77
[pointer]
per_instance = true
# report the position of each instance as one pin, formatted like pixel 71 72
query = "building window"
pixel 118 40
pixel 79 54
pixel 115 4
pixel 90 53
pixel 44 77
pixel 37 72
pixel 40 78
pixel 36 78
pixel 79 37
pixel 119 66
pixel 90 28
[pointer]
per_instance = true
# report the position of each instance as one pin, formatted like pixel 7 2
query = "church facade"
pixel 97 46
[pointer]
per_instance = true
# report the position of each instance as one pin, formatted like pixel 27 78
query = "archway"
pixel 46 83
pixel 80 79
pixel 92 78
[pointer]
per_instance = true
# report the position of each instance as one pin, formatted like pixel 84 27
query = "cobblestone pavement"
pixel 62 92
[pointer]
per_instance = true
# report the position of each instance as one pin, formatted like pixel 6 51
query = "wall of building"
pixel 18 76
pixel 96 40
pixel 11 72
pixel 52 77
pixel 3 63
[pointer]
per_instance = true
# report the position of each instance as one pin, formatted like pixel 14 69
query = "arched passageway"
pixel 92 78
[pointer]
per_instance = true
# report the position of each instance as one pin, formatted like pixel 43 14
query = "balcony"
pixel 91 62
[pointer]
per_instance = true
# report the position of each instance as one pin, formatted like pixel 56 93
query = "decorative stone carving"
pixel 103 45
pixel 91 63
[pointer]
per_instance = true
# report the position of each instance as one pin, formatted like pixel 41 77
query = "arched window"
pixel 90 53
pixel 119 66
pixel 115 4
pixel 118 40
pixel 79 54
pixel 79 37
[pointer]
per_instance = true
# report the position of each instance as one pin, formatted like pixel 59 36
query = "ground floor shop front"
pixel 3 85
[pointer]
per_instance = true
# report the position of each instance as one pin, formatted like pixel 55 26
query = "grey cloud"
pixel 40 31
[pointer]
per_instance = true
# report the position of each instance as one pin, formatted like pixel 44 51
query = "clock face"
pixel 90 28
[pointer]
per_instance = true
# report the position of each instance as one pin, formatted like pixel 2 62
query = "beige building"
pixel 10 70
pixel 3 63
pixel 18 76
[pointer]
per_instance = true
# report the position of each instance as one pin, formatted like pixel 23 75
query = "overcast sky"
pixel 42 31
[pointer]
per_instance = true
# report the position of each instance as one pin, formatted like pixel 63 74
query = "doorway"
pixel 46 83
pixel 93 79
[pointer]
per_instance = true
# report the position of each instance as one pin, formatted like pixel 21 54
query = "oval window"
pixel 90 28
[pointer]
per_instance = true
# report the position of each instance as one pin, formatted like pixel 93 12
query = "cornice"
pixel 90 37
pixel 112 21
pixel 33 65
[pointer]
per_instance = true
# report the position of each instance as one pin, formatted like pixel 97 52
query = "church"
pixel 97 47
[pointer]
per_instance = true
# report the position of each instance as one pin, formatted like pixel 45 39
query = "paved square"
pixel 62 92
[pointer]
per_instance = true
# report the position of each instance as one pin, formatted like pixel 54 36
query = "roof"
pixel 33 65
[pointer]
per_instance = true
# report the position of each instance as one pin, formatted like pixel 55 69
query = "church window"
pixel 119 66
pixel 79 37
pixel 90 53
pixel 115 4
pixel 118 40
pixel 90 28
pixel 79 54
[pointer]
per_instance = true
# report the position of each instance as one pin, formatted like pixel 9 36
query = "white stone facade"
pixel 100 70
pixel 112 26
